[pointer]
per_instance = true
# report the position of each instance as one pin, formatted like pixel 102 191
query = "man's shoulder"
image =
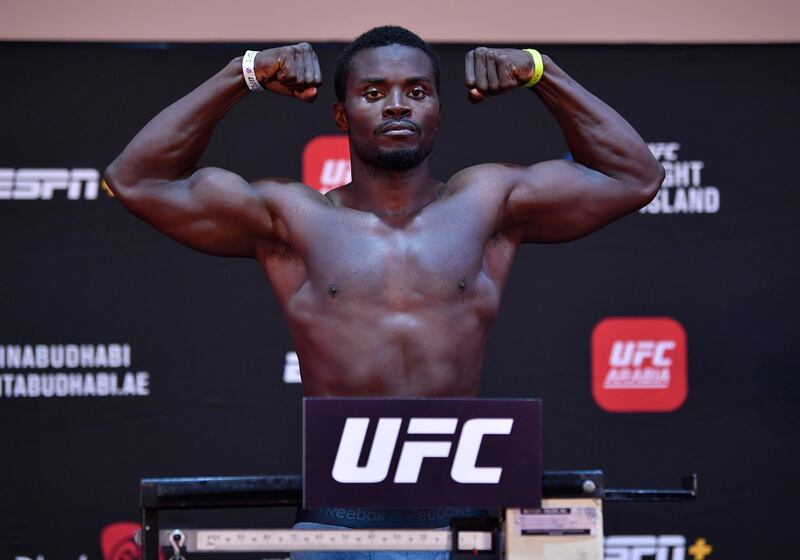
pixel 276 189
pixel 482 176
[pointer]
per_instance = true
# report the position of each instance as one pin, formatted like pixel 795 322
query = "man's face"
pixel 391 109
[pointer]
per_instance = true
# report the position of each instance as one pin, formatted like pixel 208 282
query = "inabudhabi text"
pixel 71 371
pixel 41 557
pixel 75 384
pixel 46 356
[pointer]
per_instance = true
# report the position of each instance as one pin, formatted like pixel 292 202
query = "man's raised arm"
pixel 613 172
pixel 156 176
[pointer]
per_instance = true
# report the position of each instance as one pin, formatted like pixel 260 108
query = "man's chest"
pixel 436 260
pixel 439 255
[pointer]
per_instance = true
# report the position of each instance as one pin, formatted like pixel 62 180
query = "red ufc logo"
pixel 639 364
pixel 326 163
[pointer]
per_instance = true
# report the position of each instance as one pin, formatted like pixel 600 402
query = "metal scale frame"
pixel 569 525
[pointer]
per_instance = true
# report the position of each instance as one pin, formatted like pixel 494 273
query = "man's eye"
pixel 417 93
pixel 373 94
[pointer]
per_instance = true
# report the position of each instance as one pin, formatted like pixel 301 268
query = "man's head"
pixel 381 37
pixel 387 86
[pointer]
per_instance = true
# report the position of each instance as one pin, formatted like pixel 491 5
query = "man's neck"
pixel 390 194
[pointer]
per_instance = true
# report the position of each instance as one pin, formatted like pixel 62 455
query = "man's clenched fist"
pixel 495 71
pixel 290 70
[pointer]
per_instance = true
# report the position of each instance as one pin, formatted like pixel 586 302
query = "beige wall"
pixel 571 21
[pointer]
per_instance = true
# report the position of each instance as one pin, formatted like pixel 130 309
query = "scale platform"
pixel 569 525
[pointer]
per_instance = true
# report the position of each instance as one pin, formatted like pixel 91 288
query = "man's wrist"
pixel 538 68
pixel 249 71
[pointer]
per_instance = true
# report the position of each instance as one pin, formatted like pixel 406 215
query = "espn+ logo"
pixel 42 184
pixel 628 547
pixel 326 163
pixel 639 364
pixel 463 469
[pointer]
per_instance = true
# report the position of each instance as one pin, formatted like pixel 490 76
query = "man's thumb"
pixel 309 94
pixel 475 96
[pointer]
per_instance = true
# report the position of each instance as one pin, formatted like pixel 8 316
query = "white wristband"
pixel 248 63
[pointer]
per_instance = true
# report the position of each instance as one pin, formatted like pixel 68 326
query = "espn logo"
pixel 41 184
pixel 639 364
pixel 326 163
pixel 463 469
pixel 630 547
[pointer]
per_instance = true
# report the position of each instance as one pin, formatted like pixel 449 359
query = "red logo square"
pixel 639 364
pixel 326 162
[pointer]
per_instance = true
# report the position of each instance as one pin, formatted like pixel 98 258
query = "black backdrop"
pixel 208 335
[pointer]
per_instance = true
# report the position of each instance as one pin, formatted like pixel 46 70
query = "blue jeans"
pixel 360 555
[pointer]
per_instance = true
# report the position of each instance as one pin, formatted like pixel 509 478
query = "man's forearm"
pixel 172 143
pixel 596 135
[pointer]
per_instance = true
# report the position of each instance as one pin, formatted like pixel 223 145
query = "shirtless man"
pixel 390 283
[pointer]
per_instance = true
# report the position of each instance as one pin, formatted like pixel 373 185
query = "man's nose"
pixel 396 106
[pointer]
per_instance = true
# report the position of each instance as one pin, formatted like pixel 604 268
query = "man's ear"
pixel 339 116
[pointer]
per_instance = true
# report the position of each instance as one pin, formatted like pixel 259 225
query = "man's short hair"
pixel 380 37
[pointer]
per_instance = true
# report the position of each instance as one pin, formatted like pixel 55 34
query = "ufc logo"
pixel 463 470
pixel 645 547
pixel 665 151
pixel 335 173
pixel 40 184
pixel 634 353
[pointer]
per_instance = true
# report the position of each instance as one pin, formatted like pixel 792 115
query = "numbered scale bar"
pixel 294 540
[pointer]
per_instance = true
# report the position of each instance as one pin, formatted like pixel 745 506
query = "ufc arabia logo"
pixel 413 452
pixel 639 364
pixel 42 184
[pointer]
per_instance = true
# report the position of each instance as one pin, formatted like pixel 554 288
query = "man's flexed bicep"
pixel 613 172
pixel 211 210
pixel 561 200
pixel 157 176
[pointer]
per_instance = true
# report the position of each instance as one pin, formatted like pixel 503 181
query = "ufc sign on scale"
pixel 422 452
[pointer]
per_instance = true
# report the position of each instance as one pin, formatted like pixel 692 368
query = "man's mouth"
pixel 399 128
